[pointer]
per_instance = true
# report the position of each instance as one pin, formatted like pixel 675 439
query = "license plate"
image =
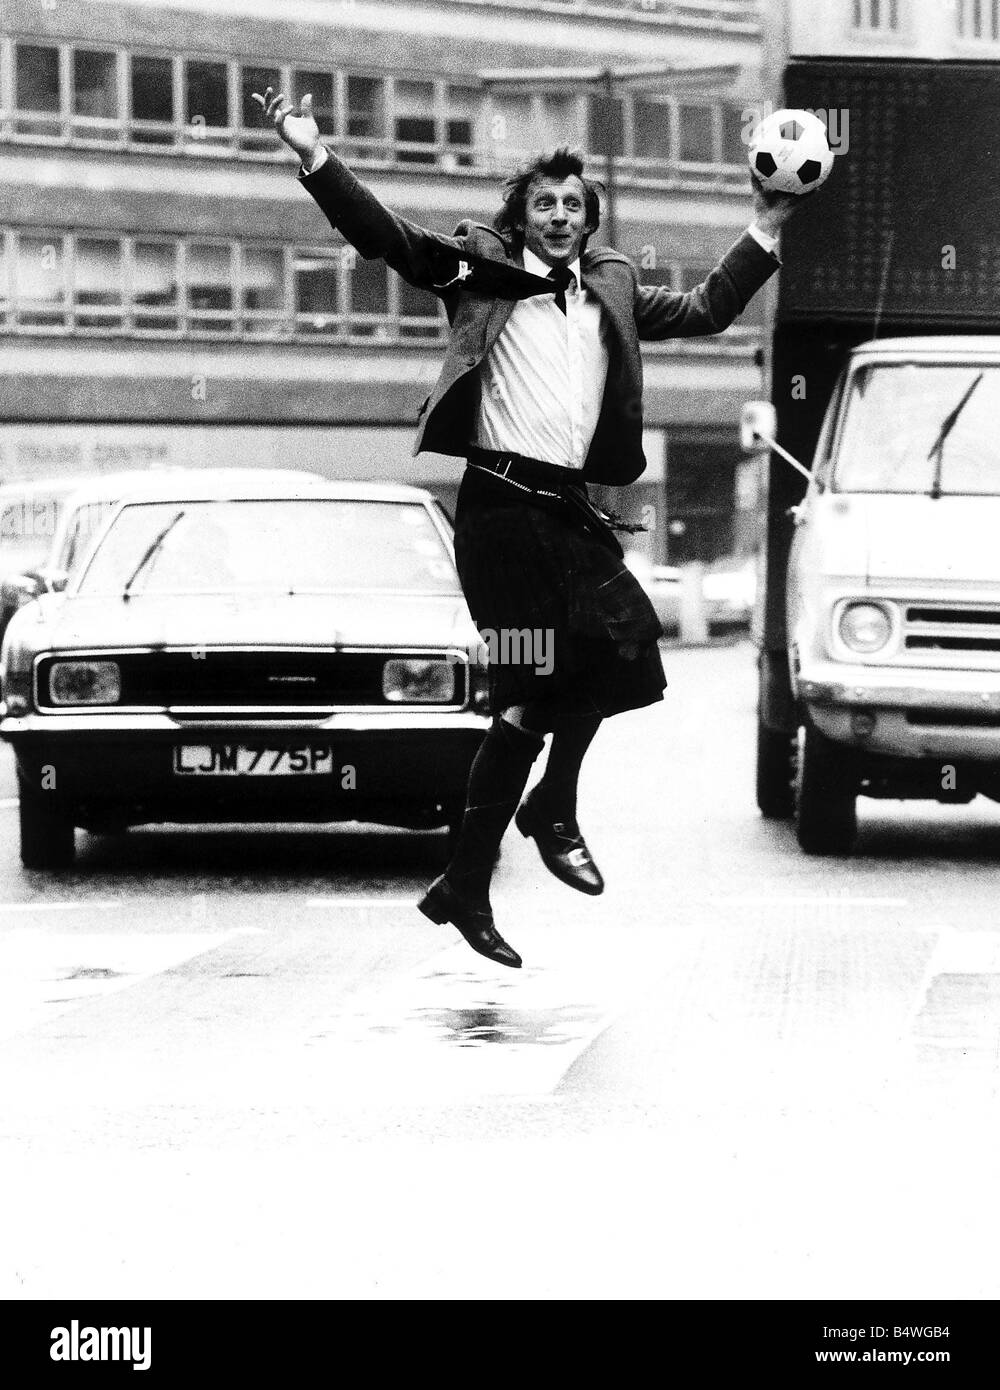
pixel 239 760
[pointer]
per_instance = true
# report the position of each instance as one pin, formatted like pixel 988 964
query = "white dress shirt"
pixel 543 379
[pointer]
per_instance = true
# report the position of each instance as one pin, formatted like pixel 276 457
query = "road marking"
pixel 82 906
pixel 361 902
pixel 45 974
pixel 819 900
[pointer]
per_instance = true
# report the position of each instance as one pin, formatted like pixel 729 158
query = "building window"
pixel 155 282
pixel 4 277
pixel 262 289
pixel 37 89
pixel 152 92
pixel 414 122
pixel 606 126
pixel 366 128
pixel 979 20
pixel 255 134
pixel 462 106
pixel 369 299
pixel 651 130
pixel 97 283
pixel 95 95
pixel 320 86
pixel 317 296
pixel 511 126
pixel 41 281
pixel 696 134
pixel 876 14
pixel 419 312
pixel 209 281
pixel 206 100
pixel 734 145
pixel 91 283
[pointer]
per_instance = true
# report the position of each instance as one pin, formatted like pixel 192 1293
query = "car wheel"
pixel 775 772
pixel 825 795
pixel 47 838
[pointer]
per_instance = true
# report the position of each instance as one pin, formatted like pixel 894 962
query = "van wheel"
pixel 825 795
pixel 47 838
pixel 775 772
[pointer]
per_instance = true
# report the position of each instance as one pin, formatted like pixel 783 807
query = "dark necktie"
pixel 562 277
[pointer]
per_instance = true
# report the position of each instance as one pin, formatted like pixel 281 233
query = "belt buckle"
pixel 504 469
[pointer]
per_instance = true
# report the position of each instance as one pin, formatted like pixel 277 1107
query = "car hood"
pixel 953 539
pixel 278 620
pixel 907 538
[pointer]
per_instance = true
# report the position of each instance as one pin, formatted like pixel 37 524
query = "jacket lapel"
pixel 500 311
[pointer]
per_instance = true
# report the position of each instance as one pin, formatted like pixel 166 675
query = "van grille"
pixel 952 629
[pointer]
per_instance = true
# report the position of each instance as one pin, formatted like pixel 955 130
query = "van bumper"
pixel 912 713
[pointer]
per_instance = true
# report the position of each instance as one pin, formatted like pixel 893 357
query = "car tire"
pixel 47 836
pixel 775 772
pixel 825 795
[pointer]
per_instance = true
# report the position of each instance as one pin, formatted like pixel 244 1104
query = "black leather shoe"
pixel 563 849
pixel 442 904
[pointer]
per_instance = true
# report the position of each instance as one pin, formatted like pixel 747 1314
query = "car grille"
pixel 192 680
pixel 953 629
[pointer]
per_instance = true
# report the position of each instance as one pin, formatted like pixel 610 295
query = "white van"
pixel 893 592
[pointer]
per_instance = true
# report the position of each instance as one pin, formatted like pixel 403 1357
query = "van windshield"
pixel 895 427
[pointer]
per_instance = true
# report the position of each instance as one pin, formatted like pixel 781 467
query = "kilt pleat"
pixel 532 563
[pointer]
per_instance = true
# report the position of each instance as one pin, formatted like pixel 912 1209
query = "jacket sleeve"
pixel 711 306
pixel 423 258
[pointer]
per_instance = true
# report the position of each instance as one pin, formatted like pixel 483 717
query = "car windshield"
pixel 896 422
pixel 320 545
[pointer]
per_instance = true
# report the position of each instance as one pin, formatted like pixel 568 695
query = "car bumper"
pixel 396 768
pixel 918 713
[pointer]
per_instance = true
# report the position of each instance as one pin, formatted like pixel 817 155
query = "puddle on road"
pixel 496 1023
pixel 451 1013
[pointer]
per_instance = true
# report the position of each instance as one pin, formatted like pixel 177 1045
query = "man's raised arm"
pixel 423 258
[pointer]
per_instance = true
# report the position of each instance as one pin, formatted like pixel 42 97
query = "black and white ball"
pixel 789 152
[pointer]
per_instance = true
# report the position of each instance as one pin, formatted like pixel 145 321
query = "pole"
pixel 609 159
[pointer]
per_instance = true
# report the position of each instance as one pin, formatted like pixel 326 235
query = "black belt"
pixel 549 479
pixel 534 474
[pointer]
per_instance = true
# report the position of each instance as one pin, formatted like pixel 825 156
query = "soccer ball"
pixel 789 152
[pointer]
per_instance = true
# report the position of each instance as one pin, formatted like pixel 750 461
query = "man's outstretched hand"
pixel 297 128
pixel 772 210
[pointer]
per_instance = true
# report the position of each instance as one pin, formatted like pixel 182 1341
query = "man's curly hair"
pixel 560 163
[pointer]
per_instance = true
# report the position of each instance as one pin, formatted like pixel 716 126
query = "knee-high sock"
pixel 498 777
pixel 571 737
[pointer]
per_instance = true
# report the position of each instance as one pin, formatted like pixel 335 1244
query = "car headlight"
pixel 85 683
pixel 409 679
pixel 865 627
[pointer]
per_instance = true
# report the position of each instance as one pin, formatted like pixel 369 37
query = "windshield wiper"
pixel 148 554
pixel 947 425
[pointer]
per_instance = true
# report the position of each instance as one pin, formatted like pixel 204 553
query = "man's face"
pixel 555 219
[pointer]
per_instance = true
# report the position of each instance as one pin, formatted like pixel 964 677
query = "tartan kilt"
pixel 528 562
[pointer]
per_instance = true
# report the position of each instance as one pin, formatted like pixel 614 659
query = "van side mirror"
pixel 758 425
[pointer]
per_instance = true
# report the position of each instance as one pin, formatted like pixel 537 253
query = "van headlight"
pixel 85 683
pixel 417 679
pixel 865 627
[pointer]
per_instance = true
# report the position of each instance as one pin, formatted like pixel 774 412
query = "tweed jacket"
pixel 635 312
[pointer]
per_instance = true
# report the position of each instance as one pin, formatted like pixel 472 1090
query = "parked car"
pixel 60 519
pixel 247 649
pixel 30 515
pixel 728 591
